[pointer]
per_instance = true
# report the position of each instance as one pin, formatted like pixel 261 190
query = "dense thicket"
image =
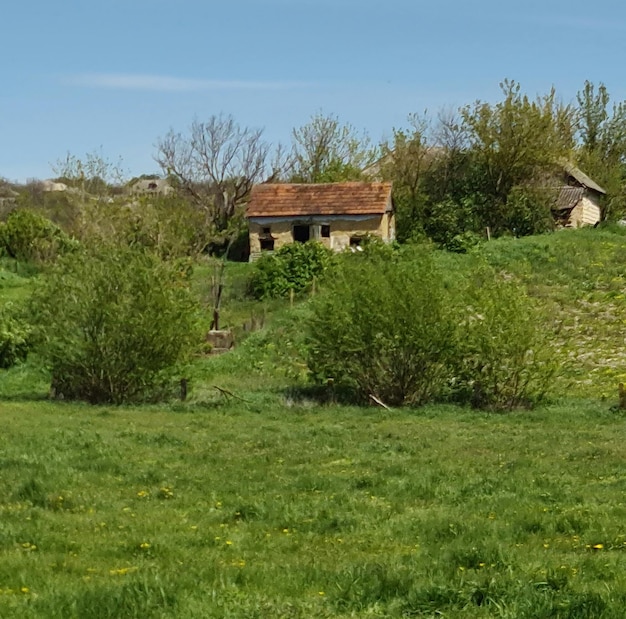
pixel 499 165
pixel 113 324
pixel 395 331
pixel 291 269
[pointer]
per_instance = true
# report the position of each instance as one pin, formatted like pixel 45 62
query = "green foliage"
pixel 384 328
pixel 15 338
pixel 114 324
pixel 505 360
pixel 515 140
pixel 398 330
pixel 170 226
pixel 528 210
pixel 464 242
pixel 326 151
pixel 293 267
pixel 29 236
pixel 602 137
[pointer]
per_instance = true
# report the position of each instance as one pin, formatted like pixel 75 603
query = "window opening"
pixel 301 234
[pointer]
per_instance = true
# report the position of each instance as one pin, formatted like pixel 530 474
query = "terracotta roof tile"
pixel 282 199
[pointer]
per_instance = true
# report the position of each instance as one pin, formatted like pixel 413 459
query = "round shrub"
pixel 15 338
pixel 116 322
pixel 30 237
pixel 293 267
pixel 504 358
pixel 384 328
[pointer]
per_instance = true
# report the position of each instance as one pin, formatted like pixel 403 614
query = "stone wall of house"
pixel 341 231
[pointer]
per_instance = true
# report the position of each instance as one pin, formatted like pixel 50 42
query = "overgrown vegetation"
pixel 113 323
pixel 291 269
pixel 15 337
pixel 396 331
pixel 30 237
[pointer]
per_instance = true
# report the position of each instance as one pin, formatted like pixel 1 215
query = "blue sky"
pixel 82 76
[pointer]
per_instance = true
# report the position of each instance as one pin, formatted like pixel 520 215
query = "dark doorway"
pixel 267 244
pixel 301 234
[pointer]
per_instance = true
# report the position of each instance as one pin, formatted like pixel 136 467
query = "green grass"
pixel 579 277
pixel 303 511
pixel 16 281
pixel 250 500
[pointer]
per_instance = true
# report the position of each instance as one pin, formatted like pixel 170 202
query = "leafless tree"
pixel 450 134
pixel 215 164
pixel 92 174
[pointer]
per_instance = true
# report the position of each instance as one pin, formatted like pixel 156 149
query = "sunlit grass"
pixel 309 511
pixel 251 500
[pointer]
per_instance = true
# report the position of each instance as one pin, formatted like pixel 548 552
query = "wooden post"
pixel 622 396
pixel 488 234
pixel 183 389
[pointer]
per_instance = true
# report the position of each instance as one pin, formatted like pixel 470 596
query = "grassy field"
pixel 251 500
pixel 293 510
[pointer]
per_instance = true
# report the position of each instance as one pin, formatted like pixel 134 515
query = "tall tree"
pixel 602 144
pixel 215 163
pixel 516 144
pixel 325 151
pixel 406 161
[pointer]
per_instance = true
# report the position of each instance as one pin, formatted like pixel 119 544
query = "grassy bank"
pixel 301 511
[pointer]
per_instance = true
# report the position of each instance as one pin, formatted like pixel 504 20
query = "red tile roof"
pixel 286 200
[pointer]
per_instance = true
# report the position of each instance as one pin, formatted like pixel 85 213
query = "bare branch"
pixel 215 163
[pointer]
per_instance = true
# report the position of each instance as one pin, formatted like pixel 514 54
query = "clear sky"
pixel 87 75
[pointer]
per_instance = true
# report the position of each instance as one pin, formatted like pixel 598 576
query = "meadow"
pixel 252 499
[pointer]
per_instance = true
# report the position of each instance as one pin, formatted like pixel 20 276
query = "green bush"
pixel 114 324
pixel 293 267
pixel 504 359
pixel 15 338
pixel 384 328
pixel 165 225
pixel 30 237
pixel 394 329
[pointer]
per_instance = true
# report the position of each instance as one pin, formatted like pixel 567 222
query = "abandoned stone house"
pixel 578 200
pixel 339 215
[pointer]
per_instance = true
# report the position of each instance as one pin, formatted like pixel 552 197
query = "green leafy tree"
pixel 114 323
pixel 327 151
pixel 516 142
pixel 602 144
pixel 406 161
